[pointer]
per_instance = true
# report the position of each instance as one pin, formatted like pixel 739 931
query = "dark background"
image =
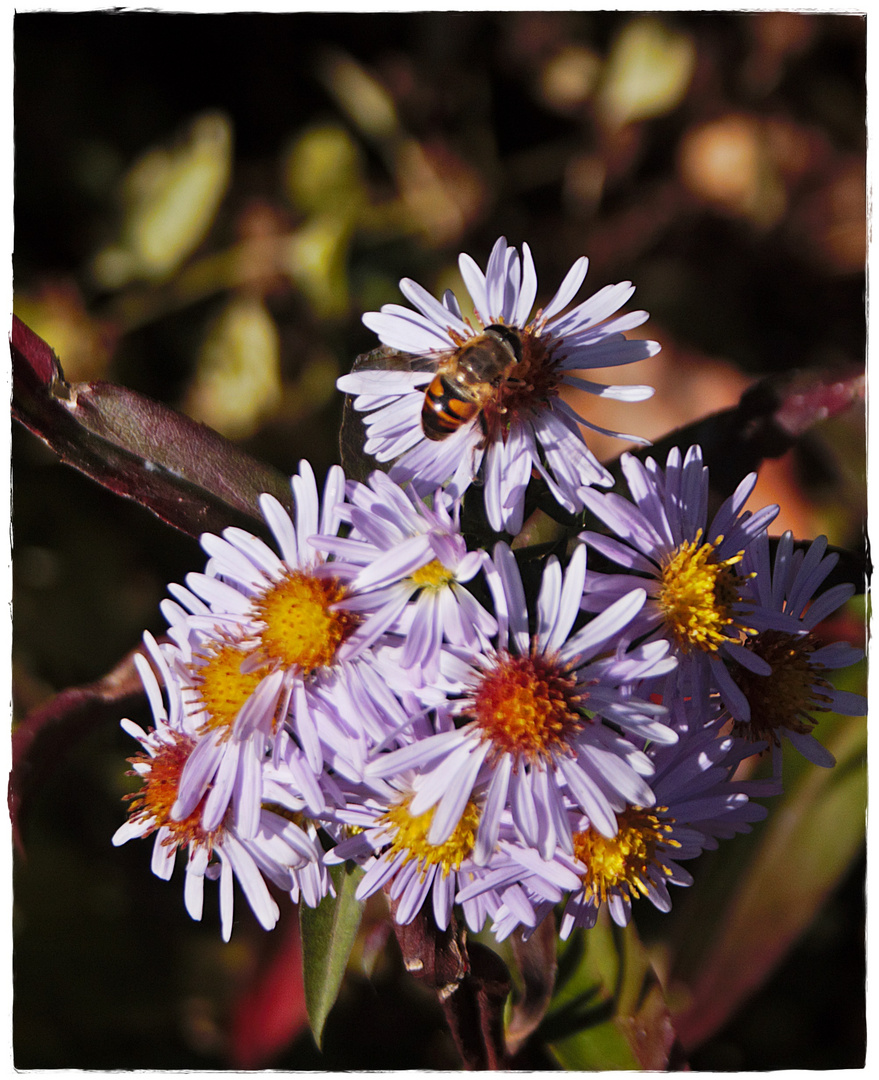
pixel 109 970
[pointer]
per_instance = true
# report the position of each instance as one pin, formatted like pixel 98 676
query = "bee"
pixel 467 378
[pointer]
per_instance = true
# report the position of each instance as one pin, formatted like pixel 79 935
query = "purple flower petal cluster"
pixel 482 725
pixel 784 703
pixel 274 848
pixel 663 539
pixel 537 430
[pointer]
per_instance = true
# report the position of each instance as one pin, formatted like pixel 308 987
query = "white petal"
pixel 453 803
pixel 437 312
pixel 474 279
pixel 569 605
pixel 514 592
pixel 193 893
pixel 527 289
pixel 568 289
pixel 495 801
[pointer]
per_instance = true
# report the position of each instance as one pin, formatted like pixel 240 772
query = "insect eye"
pixel 510 335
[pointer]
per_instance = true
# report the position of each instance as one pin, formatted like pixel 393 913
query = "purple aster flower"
pixel 664 542
pixel 531 714
pixel 408 564
pixel 278 850
pixel 393 845
pixel 275 625
pixel 499 409
pixel 207 680
pixel 698 802
pixel 782 702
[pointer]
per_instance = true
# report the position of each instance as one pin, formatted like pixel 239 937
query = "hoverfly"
pixel 465 380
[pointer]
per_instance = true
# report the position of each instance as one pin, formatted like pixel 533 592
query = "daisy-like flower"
pixel 208 683
pixel 531 713
pixel 269 630
pixel 784 702
pixel 663 540
pixel 408 564
pixel 392 844
pixel 517 421
pixel 279 850
pixel 698 802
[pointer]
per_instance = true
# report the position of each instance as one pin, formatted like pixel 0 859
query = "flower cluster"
pixel 504 730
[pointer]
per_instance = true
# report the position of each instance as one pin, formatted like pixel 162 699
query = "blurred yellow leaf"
pixel 323 172
pixel 170 197
pixel 315 258
pixel 237 382
pixel 569 77
pixel 442 194
pixel 363 98
pixel 647 72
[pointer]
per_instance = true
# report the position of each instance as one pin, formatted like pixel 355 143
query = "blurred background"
pixel 204 207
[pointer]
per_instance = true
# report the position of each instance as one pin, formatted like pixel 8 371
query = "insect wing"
pixel 385 358
pixel 377 371
pixel 357 464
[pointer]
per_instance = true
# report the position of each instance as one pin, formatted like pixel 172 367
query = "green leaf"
pixel 328 934
pixel 608 1011
pixel 759 903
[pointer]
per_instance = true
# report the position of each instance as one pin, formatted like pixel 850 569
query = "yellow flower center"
pixel 410 834
pixel 697 596
pixel 222 688
pixel 301 628
pixel 783 699
pixel 432 576
pixel 526 705
pixel 623 861
pixel 159 793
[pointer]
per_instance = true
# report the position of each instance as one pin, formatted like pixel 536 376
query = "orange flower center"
pixel 527 706
pixel 159 793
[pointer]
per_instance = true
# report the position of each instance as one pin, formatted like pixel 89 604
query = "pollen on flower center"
pixel 301 627
pixel 161 781
pixel 624 861
pixel 783 699
pixel 697 596
pixel 410 834
pixel 432 576
pixel 222 687
pixel 526 705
